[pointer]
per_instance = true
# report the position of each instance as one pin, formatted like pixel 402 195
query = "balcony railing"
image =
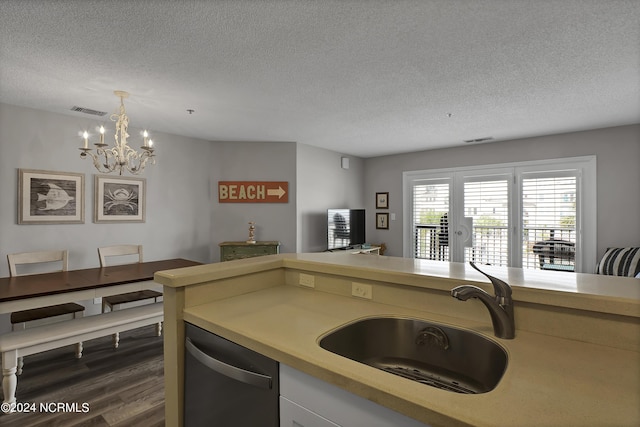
pixel 562 257
pixel 431 242
pixel 491 245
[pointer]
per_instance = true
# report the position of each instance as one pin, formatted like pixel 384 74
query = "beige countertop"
pixel 619 295
pixel 549 380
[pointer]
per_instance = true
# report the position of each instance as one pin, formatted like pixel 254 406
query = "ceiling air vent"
pixel 88 111
pixel 486 138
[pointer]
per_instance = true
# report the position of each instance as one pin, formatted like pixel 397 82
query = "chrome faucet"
pixel 500 307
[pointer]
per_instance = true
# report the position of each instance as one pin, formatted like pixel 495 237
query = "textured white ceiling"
pixel 361 77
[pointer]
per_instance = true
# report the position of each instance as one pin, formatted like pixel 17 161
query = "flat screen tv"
pixel 345 228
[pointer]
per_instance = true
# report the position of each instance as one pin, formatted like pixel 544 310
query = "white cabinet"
pixel 306 401
pixel 294 415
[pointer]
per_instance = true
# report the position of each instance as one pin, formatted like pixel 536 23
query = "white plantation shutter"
pixel 548 214
pixel 487 202
pixel 430 210
pixel 504 214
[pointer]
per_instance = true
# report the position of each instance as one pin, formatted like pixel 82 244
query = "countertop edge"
pixel 559 289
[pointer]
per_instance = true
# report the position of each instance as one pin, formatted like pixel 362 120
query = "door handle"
pixel 233 372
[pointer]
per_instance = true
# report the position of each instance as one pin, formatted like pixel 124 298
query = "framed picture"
pixel 382 200
pixel 46 197
pixel 119 199
pixel 382 221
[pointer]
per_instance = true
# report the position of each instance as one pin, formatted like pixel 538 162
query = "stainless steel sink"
pixel 441 356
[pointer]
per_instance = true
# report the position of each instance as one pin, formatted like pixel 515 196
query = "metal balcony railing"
pixel 491 245
pixel 431 242
pixel 562 256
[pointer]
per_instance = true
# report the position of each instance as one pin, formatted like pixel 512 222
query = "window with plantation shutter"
pixel 430 211
pixel 538 215
pixel 486 202
pixel 549 221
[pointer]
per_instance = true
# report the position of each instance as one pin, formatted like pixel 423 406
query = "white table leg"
pixel 9 378
pixel 79 349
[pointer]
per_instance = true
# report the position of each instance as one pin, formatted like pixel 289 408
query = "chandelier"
pixel 120 156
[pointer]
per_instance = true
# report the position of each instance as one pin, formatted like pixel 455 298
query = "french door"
pixel 463 217
pixel 504 215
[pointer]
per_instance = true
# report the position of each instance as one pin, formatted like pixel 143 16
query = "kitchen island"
pixel 575 359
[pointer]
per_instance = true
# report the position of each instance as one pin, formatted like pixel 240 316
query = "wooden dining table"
pixel 40 290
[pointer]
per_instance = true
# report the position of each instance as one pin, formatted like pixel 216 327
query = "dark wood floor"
pixel 123 387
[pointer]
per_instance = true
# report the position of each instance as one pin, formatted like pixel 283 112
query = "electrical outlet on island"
pixel 307 280
pixel 361 290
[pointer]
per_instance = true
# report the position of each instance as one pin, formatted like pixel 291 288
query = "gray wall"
pixel 184 218
pixel 617 152
pixel 177 203
pixel 323 184
pixel 253 161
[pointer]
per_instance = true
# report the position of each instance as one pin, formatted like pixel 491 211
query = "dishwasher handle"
pixel 238 374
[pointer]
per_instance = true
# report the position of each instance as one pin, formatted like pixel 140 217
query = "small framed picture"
pixel 382 200
pixel 119 199
pixel 382 221
pixel 46 197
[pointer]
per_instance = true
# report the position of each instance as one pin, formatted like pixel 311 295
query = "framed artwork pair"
pixel 49 197
pixel 382 218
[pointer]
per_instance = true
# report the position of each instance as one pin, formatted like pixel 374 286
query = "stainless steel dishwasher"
pixel 227 384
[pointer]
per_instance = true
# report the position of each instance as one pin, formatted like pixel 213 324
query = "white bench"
pixel 15 345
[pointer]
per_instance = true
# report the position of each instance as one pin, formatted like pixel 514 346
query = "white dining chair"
pixel 41 262
pixel 128 253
